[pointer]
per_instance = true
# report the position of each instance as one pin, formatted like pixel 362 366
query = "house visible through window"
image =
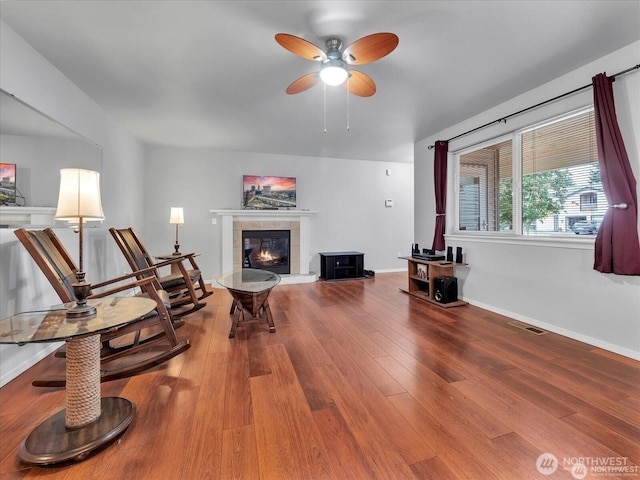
pixel 538 181
pixel 588 202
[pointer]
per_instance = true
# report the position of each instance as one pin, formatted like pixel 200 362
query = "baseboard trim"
pixel 625 352
pixel 28 363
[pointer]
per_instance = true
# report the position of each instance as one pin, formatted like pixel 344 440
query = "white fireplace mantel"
pixel 228 217
pixel 28 216
pixel 262 214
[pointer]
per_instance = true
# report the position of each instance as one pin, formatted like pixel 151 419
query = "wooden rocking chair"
pixel 185 285
pixel 154 337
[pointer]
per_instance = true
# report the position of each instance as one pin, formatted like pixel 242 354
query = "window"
pixel 588 202
pixel 484 173
pixel 536 181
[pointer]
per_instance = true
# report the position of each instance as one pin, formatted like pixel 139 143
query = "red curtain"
pixel 617 249
pixel 440 183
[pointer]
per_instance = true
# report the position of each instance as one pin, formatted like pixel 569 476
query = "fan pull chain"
pixel 324 102
pixel 348 116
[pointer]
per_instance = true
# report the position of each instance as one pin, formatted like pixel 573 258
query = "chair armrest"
pixel 182 256
pixel 123 277
pixel 171 256
pixel 152 280
pixel 178 260
pixel 164 263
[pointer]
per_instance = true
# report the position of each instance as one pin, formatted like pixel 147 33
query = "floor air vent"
pixel 528 328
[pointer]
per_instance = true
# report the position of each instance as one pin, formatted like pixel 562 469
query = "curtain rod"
pixel 504 119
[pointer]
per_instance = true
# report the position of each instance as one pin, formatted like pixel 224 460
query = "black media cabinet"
pixel 341 265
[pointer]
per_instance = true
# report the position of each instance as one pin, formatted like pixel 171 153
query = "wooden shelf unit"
pixel 421 280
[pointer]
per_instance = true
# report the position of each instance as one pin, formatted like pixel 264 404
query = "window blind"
pixel 561 144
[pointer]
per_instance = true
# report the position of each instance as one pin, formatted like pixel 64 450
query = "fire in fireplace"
pixel 267 250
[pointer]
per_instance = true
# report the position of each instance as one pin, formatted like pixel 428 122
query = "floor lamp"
pixel 177 218
pixel 79 201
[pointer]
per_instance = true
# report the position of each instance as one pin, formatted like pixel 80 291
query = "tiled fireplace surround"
pixel 233 222
pixel 294 241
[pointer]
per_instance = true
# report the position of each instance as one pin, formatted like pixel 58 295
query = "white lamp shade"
pixel 79 195
pixel 177 215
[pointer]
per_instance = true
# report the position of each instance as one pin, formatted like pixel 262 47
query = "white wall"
pixel 349 195
pixel 35 181
pixel 25 74
pixel 542 283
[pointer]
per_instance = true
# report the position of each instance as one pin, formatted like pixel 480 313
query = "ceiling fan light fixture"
pixel 334 61
pixel 333 73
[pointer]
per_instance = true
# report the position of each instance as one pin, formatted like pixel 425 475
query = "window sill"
pixel 578 242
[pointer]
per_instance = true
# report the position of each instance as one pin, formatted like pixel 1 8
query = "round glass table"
pixel 88 421
pixel 250 290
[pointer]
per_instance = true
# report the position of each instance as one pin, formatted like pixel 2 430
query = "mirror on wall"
pixel 39 147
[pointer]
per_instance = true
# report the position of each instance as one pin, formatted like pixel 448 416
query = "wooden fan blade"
pixel 360 84
pixel 303 83
pixel 370 48
pixel 301 47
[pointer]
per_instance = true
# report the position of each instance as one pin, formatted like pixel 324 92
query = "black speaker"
pixel 449 254
pixel 446 289
pixel 459 255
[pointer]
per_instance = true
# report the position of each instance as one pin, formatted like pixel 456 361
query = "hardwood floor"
pixel 360 381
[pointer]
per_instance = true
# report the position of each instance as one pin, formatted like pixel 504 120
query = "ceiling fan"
pixel 334 62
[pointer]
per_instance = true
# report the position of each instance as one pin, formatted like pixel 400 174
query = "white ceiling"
pixel 210 74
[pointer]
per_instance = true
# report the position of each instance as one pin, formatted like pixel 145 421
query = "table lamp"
pixel 177 218
pixel 79 201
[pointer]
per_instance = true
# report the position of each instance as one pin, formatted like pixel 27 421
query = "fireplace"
pixel 231 223
pixel 267 250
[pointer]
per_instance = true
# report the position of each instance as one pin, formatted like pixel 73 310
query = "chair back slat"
pixel 133 250
pixel 66 274
pixel 53 260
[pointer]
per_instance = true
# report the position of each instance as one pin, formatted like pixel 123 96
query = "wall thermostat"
pixel 388 203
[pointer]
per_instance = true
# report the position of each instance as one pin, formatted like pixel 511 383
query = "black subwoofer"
pixel 446 289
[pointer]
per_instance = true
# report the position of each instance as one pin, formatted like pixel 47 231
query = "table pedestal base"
pixel 53 442
pixel 256 304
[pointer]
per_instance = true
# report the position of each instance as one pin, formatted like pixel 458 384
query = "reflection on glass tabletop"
pixel 249 280
pixel 52 324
